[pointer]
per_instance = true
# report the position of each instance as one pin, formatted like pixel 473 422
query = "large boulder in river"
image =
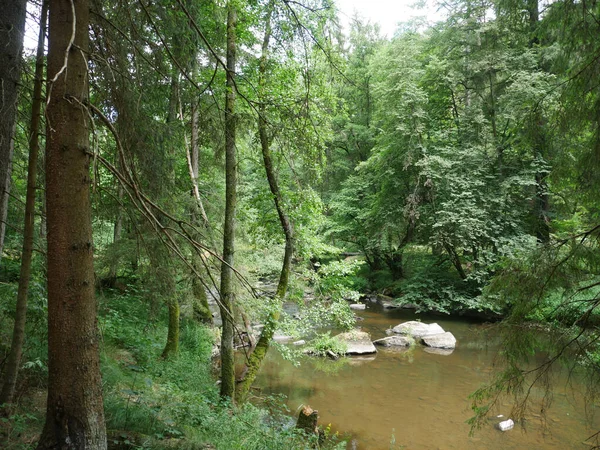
pixel 417 329
pixel 442 340
pixel 395 341
pixel 357 342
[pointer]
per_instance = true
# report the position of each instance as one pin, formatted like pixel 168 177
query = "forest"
pixel 196 197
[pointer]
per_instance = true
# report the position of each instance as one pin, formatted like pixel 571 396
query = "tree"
pixel 75 414
pixel 12 31
pixel 16 350
pixel 227 274
pixel 260 351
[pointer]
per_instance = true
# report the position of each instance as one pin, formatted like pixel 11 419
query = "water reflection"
pixel 418 398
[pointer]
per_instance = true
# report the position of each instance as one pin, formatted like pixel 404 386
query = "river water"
pixel 419 400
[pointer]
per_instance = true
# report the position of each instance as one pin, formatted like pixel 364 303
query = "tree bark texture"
pixel 262 346
pixel 75 414
pixel 16 349
pixel 227 274
pixel 201 309
pixel 12 29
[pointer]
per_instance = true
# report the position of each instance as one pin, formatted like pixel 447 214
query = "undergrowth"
pixel 151 403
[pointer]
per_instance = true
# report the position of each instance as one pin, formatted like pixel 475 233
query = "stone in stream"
pixel 409 306
pixel 417 329
pixel 357 342
pixel 389 305
pixel 395 341
pixel 506 425
pixel 358 306
pixel 441 340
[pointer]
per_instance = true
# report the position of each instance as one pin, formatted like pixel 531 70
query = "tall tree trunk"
pixel 16 349
pixel 254 362
pixel 227 275
pixel 117 229
pixel 542 199
pixel 168 277
pixel 201 309
pixel 12 29
pixel 75 414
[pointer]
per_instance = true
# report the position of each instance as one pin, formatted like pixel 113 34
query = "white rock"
pixel 358 306
pixel 394 341
pixel 441 340
pixel 417 329
pixel 506 425
pixel 358 342
pixel 300 342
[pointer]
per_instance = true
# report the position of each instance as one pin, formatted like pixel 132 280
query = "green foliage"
pixel 159 400
pixel 326 345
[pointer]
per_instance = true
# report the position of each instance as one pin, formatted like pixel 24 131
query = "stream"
pixel 419 400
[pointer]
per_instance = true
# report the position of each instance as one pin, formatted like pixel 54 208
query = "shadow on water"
pixel 419 398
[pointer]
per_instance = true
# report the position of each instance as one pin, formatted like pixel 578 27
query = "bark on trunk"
pixel 227 275
pixel 12 29
pixel 201 310
pixel 75 414
pixel 256 358
pixel 168 277
pixel 542 199
pixel 117 230
pixel 455 259
pixel 16 349
pixel 172 347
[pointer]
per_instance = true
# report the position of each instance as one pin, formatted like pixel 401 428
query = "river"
pixel 418 400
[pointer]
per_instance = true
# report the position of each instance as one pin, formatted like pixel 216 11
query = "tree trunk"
pixel 201 310
pixel 16 349
pixel 254 362
pixel 172 347
pixel 117 229
pixel 227 275
pixel 166 273
pixel 12 29
pixel 455 259
pixel 75 414
pixel 542 199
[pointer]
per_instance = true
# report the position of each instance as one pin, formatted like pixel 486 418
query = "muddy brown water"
pixel 419 400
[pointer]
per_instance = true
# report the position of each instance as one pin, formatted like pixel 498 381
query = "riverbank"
pixel 419 399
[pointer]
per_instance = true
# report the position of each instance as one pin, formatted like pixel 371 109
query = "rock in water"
pixel 358 306
pixel 389 305
pixel 441 340
pixel 417 329
pixel 395 341
pixel 506 425
pixel 358 342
